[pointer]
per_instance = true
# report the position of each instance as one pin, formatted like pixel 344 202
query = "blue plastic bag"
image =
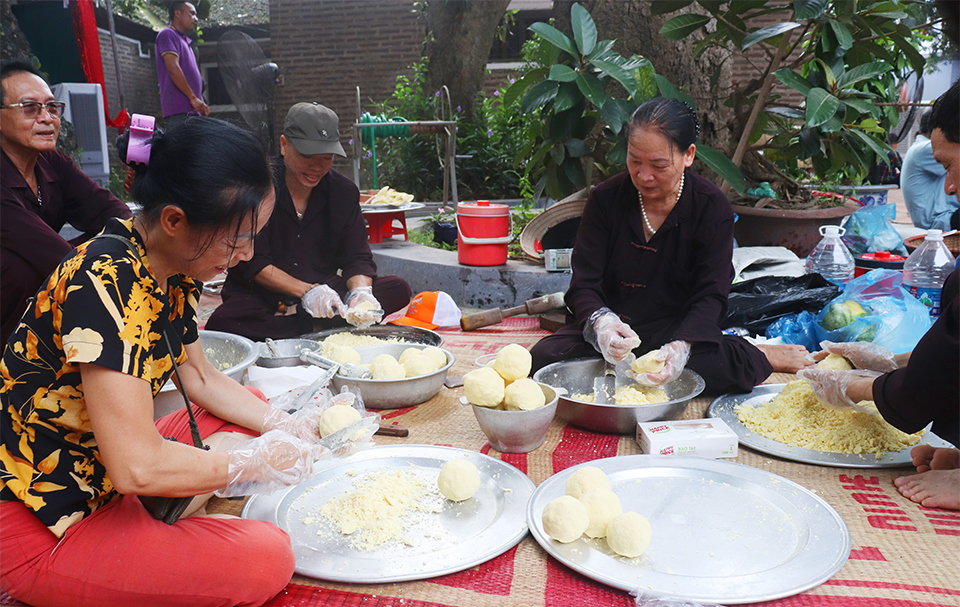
pixel 796 329
pixel 875 307
pixel 870 230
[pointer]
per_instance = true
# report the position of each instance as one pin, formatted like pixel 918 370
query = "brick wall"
pixel 326 48
pixel 747 66
pixel 141 93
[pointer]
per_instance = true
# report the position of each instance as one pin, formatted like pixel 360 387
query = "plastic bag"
pixel 869 230
pixel 876 308
pixel 758 303
pixel 796 329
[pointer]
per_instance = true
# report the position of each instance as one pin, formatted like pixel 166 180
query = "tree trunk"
pixel 460 34
pixel 636 32
pixel 13 44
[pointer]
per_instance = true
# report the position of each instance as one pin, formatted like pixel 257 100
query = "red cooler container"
pixel 483 233
pixel 881 259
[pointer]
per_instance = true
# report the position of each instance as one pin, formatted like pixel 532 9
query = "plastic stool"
pixel 380 225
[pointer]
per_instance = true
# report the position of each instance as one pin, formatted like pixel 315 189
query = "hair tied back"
pixel 141 131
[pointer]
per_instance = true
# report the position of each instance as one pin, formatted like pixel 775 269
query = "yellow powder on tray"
pixel 796 417
pixel 379 510
pixel 630 395
pixel 346 338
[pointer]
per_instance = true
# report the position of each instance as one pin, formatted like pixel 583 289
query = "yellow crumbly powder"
pixel 378 510
pixel 630 395
pixel 796 417
pixel 346 338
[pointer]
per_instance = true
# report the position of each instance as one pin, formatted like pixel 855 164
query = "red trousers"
pixel 120 555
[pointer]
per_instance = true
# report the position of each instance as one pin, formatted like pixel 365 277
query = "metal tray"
pixel 414 335
pixel 722 532
pixel 407 206
pixel 460 536
pixel 722 408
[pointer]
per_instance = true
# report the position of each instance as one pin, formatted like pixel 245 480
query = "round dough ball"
pixel 513 362
pixel 602 506
pixel 483 387
pixel 835 361
pixel 408 353
pixel 458 480
pixel 648 363
pixel 345 354
pixel 523 395
pixel 365 305
pixel 628 534
pixel 387 367
pixel 417 365
pixel 336 417
pixel 438 356
pixel 565 519
pixel 584 479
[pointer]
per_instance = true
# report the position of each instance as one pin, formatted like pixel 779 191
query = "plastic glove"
pixel 303 423
pixel 363 318
pixel 322 302
pixel 830 386
pixel 269 462
pixel 674 356
pixel 863 355
pixel 613 338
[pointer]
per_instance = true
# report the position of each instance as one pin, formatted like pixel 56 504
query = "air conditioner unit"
pixel 85 111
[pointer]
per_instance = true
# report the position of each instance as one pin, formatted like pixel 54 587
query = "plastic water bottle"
pixel 830 258
pixel 926 269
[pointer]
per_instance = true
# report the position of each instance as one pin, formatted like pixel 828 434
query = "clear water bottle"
pixel 830 258
pixel 926 269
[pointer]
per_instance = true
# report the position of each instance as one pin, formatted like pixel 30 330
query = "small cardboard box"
pixel 702 437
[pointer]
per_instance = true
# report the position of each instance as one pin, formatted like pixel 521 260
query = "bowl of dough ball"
pixel 402 375
pixel 513 411
pixel 634 403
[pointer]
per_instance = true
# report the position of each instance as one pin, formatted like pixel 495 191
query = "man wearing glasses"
pixel 41 190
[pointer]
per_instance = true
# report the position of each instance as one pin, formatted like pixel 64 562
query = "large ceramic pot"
pixel 798 231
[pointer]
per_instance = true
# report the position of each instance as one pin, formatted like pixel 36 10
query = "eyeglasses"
pixel 32 109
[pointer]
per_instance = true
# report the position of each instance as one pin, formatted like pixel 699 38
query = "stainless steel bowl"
pixel 394 393
pixel 410 335
pixel 287 352
pixel 518 431
pixel 576 377
pixel 229 353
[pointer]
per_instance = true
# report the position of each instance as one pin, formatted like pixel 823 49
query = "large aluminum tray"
pixel 723 408
pixel 460 536
pixel 722 532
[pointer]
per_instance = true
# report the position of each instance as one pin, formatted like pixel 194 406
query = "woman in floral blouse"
pixel 79 443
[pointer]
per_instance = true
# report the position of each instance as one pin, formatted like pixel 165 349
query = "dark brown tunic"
pixel 673 287
pixel 330 242
pixel 30 244
pixel 928 388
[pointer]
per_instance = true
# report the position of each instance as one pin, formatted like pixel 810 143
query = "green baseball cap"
pixel 313 129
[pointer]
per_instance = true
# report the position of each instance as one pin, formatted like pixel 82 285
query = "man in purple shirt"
pixel 181 88
pixel 41 190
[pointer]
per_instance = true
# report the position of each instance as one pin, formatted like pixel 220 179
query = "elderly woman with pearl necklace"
pixel 652 266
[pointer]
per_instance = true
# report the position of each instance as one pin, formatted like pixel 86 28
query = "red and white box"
pixel 701 437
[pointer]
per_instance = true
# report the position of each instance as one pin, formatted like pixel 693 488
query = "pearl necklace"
pixel 644 211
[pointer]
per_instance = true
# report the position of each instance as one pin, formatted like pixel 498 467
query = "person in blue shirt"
pixel 921 181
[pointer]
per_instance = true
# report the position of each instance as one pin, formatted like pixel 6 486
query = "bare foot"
pixel 932 489
pixel 926 457
pixel 786 358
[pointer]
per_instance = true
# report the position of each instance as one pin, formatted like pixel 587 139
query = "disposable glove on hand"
pixel 322 302
pixel 674 356
pixel 863 355
pixel 369 314
pixel 303 423
pixel 269 462
pixel 830 386
pixel 613 338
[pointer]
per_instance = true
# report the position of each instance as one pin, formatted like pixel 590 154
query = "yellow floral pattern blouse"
pixel 102 306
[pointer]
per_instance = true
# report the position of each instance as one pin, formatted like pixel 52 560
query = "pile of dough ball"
pixel 413 362
pixel 458 480
pixel 591 508
pixel 504 384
